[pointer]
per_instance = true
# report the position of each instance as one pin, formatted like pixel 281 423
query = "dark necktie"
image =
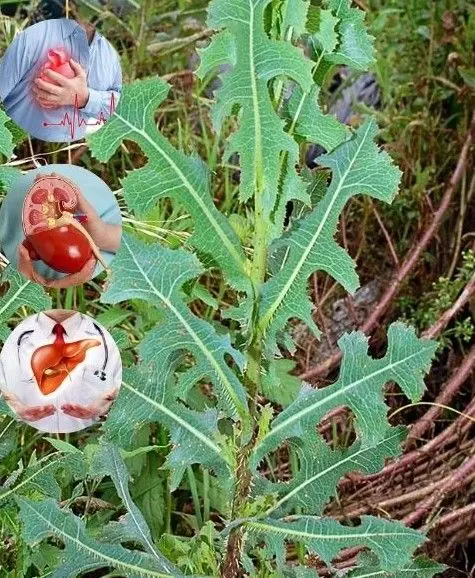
pixel 59 331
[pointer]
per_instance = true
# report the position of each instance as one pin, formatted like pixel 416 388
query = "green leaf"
pixel 39 477
pixel 169 173
pixel 368 567
pixel 156 275
pixel 359 387
pixel 295 17
pixel 257 59
pixel 8 437
pixel 82 553
pixel 194 436
pixel 391 541
pixel 321 468
pixel 468 75
pixel 278 385
pixel 108 462
pixel 7 176
pixel 310 122
pixel 20 293
pixel 358 167
pixel 6 139
pixel 356 45
pixel 326 36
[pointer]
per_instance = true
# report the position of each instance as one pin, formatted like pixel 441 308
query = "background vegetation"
pixel 422 246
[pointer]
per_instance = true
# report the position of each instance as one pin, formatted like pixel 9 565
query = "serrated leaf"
pixel 7 176
pixel 326 36
pixel 40 476
pixel 194 436
pixel 359 387
pixel 391 541
pixel 278 385
pixel 169 173
pixel 321 468
pixel 8 436
pixel 82 553
pixel 368 567
pixel 260 139
pixel 107 462
pixel 6 139
pixel 156 274
pixel 312 124
pixel 355 48
pixel 20 292
pixel 358 166
pixel 295 16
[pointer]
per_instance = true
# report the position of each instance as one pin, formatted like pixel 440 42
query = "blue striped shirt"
pixel 21 64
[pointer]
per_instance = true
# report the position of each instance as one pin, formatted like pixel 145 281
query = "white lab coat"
pixel 81 386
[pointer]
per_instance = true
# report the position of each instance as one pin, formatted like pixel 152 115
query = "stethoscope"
pixel 100 373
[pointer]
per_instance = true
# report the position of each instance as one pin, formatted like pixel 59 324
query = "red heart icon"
pixel 58 61
pixel 51 233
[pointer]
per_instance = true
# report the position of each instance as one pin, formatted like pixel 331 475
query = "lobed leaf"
pixel 368 567
pixel 255 60
pixel 6 138
pixel 169 173
pixel 146 397
pixel 392 542
pixel 21 292
pixel 39 477
pixel 321 468
pixel 82 553
pixel 107 462
pixel 355 48
pixel 359 387
pixel 358 166
pixel 155 274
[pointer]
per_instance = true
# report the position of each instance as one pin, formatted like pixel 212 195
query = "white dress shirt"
pixel 81 386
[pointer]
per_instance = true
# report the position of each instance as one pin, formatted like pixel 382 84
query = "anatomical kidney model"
pixel 58 61
pixel 52 233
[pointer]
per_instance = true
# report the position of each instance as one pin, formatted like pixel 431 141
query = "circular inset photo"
pixel 60 371
pixel 60 78
pixel 60 225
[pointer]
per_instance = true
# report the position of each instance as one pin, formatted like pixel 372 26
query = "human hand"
pixel 65 91
pixel 25 267
pixel 28 413
pixel 94 410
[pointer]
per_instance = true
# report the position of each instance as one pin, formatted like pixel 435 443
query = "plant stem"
pixel 195 495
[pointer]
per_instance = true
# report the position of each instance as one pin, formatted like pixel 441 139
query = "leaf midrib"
pixel 14 296
pixel 337 464
pixel 296 271
pixel 228 386
pixel 131 509
pixel 205 210
pixel 324 537
pixel 96 553
pixel 337 393
pixel 181 422
pixel 34 474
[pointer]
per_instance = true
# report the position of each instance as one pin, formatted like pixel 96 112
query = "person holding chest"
pixel 57 77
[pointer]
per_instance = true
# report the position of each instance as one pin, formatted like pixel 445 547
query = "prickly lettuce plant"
pixel 203 381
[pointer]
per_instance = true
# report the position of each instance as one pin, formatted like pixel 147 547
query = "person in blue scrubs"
pixel 60 109
pixel 97 202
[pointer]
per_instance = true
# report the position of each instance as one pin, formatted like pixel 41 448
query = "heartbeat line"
pixel 76 120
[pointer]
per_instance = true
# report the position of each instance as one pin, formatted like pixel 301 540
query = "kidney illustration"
pixel 58 61
pixel 52 233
